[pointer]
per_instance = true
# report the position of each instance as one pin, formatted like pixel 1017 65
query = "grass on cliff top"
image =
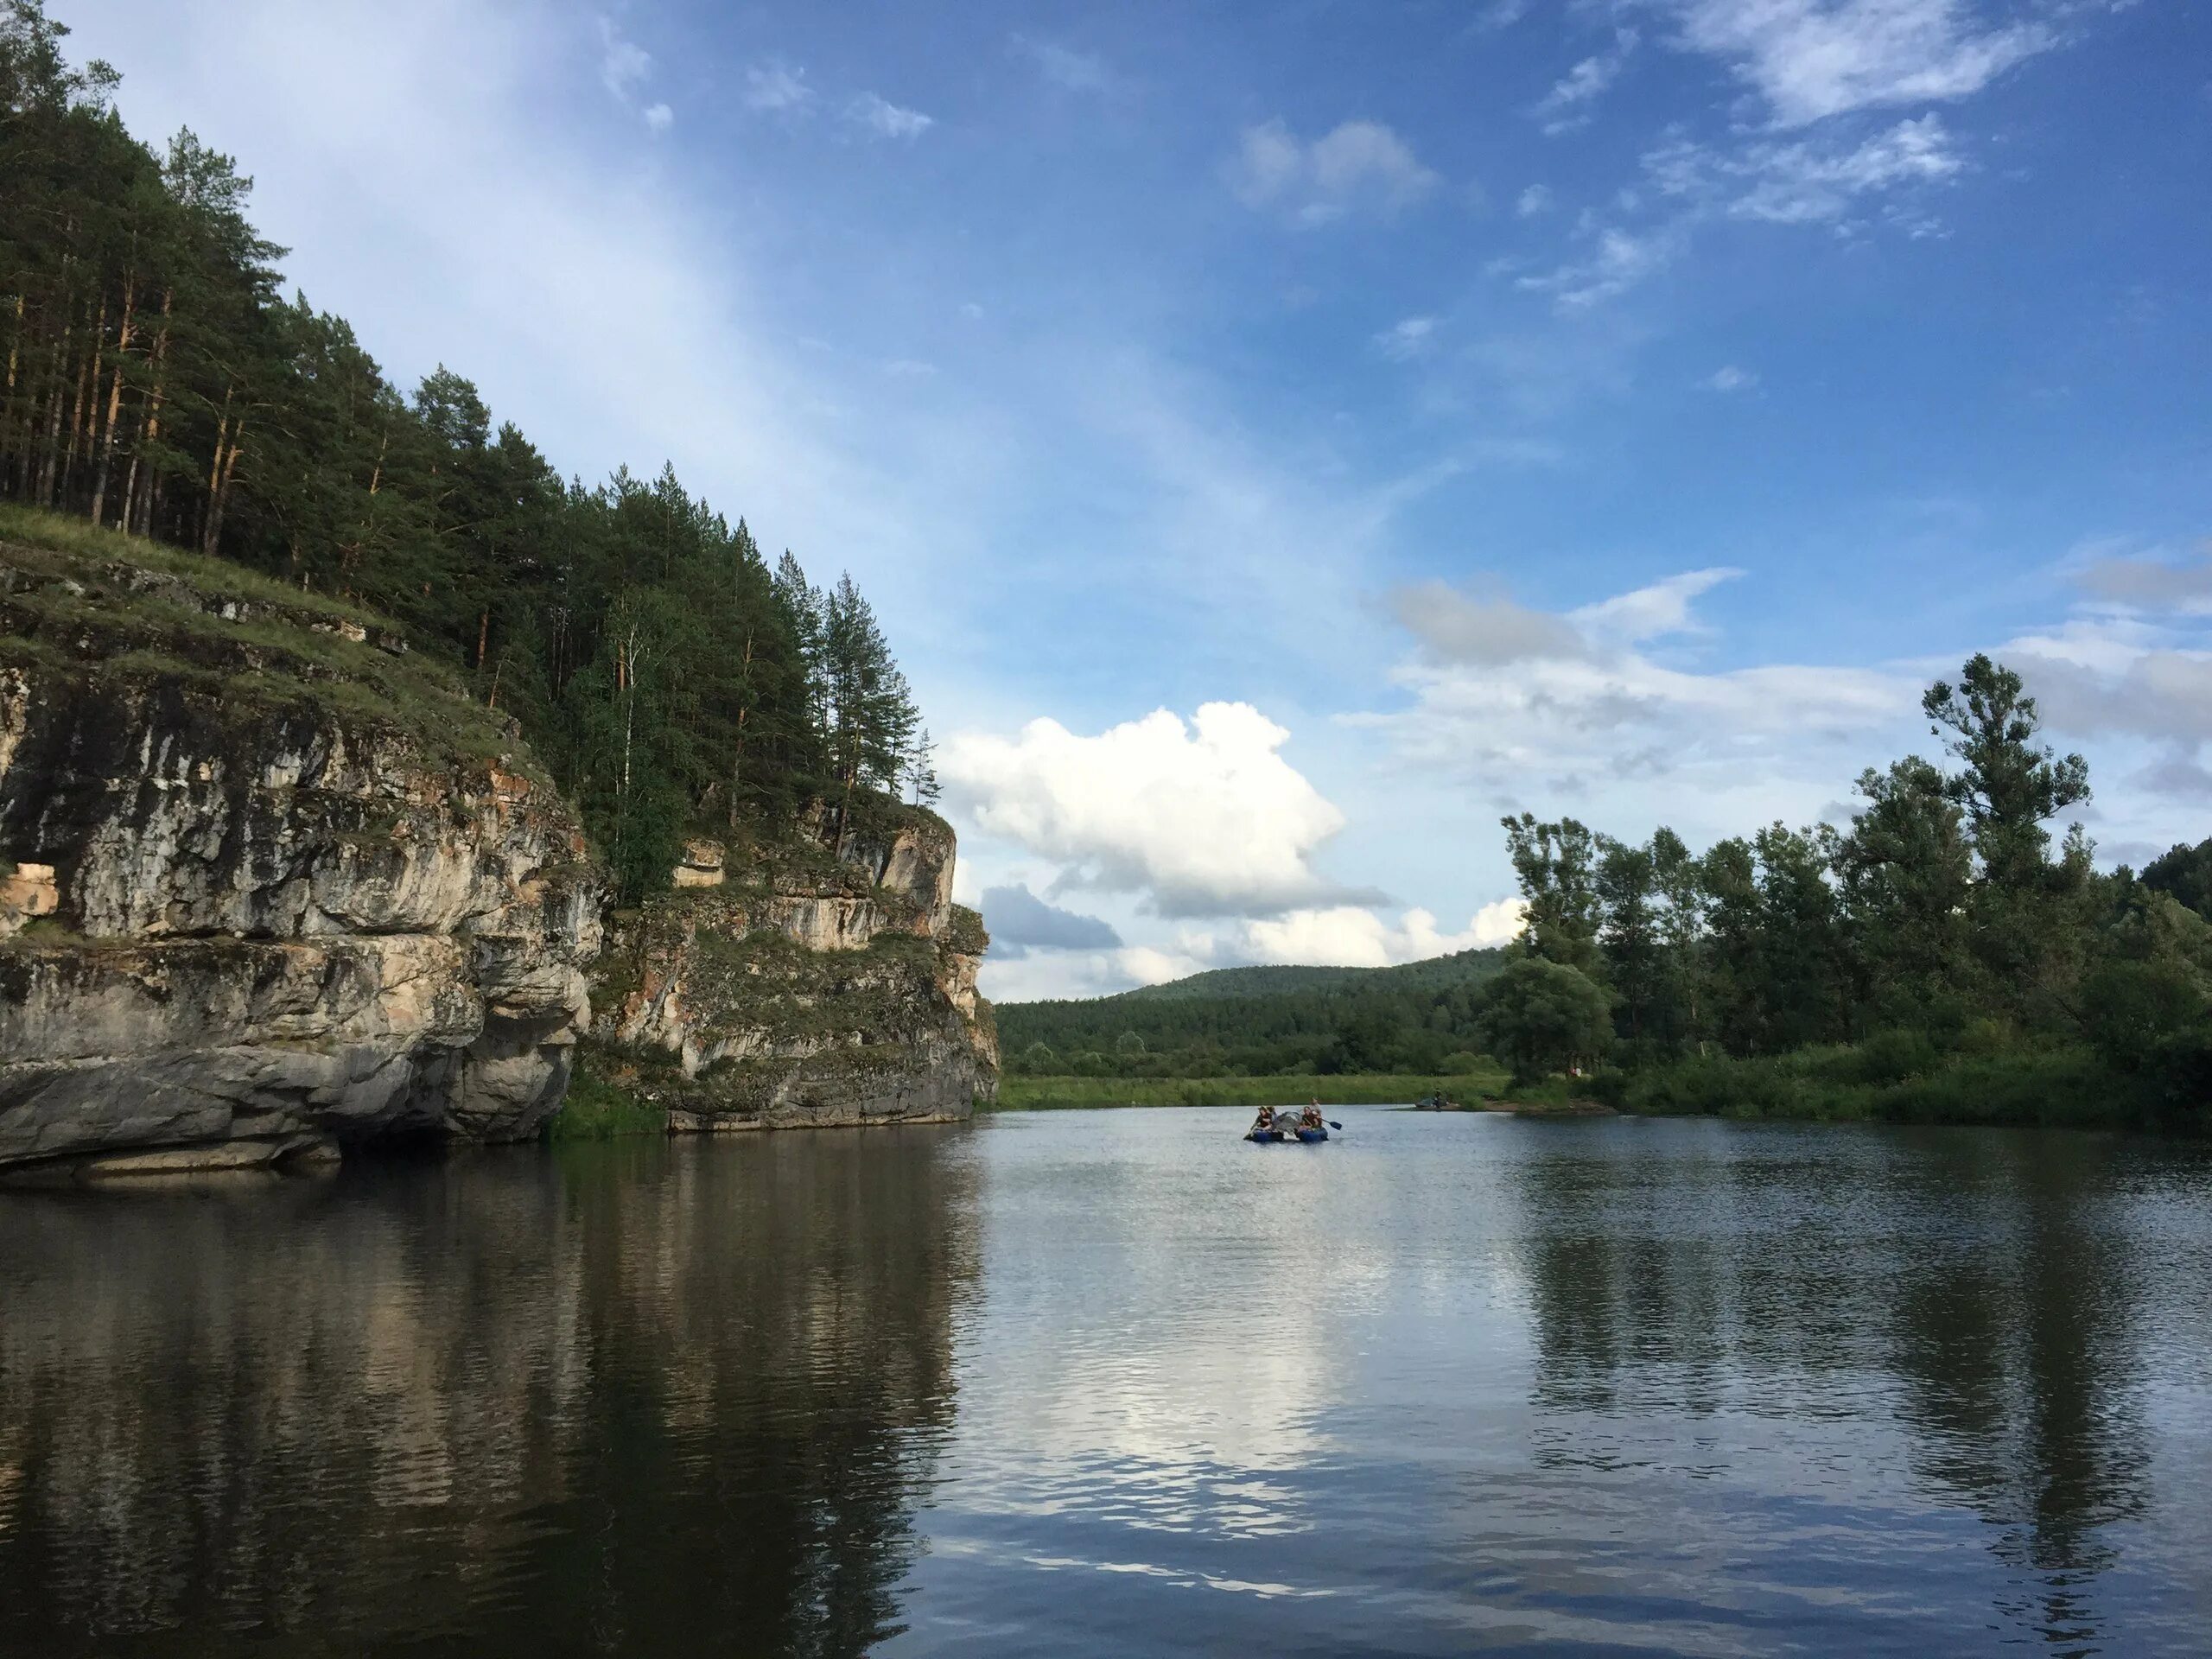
pixel 154 636
pixel 53 532
pixel 1023 1094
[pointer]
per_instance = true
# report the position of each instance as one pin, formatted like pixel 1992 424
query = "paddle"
pixel 1332 1122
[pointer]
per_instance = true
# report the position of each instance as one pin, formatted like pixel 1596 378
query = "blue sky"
pixel 1282 438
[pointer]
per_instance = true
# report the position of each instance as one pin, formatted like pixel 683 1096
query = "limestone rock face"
pixel 830 984
pixel 250 910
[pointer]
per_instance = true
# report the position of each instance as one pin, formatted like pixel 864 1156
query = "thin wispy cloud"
pixel 1534 202
pixel 1809 60
pixel 1807 180
pixel 1572 103
pixel 1357 166
pixel 1816 180
pixel 1729 377
pixel 1063 66
pixel 1410 338
pixel 777 88
pixel 878 115
pixel 623 64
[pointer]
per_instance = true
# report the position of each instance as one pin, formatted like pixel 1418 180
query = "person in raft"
pixel 1265 1123
pixel 1311 1117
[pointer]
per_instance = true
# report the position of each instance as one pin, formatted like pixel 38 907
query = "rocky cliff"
pixel 827 981
pixel 269 887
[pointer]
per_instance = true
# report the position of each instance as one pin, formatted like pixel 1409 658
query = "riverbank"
pixel 1885 1081
pixel 1029 1094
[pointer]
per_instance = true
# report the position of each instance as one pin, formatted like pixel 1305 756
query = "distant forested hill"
pixel 1251 1021
pixel 1465 968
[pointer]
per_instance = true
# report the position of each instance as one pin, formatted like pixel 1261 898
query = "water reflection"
pixel 1448 1383
pixel 1967 1302
pixel 632 1399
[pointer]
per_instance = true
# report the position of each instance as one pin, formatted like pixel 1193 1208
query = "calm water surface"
pixel 1118 1383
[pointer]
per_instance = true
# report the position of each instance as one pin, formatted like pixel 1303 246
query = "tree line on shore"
pixel 1947 954
pixel 1420 1018
pixel 1946 928
pixel 158 383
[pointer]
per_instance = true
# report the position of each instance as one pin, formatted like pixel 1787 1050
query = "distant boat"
pixel 1310 1137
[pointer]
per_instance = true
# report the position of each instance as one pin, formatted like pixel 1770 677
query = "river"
pixel 1116 1383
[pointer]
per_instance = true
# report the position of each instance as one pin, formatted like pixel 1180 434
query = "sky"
pixel 1282 438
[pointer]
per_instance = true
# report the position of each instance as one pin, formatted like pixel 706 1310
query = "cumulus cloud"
pixel 1572 102
pixel 777 88
pixel 1199 818
pixel 1408 339
pixel 1812 58
pixel 2153 583
pixel 2149 678
pixel 1535 200
pixel 660 118
pixel 1353 936
pixel 1360 166
pixel 1019 922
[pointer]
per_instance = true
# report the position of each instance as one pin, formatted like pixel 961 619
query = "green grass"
pixel 1024 1094
pixel 56 533
pixel 598 1108
pixel 1891 1082
pixel 280 652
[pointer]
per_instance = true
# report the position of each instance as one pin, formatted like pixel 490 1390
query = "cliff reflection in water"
pixel 639 1397
pixel 1965 1306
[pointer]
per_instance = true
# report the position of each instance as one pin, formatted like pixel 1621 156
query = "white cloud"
pixel 1793 184
pixel 886 119
pixel 1201 819
pixel 777 88
pixel 1408 339
pixel 1812 58
pixel 1620 260
pixel 623 64
pixel 660 118
pixel 1359 166
pixel 1065 67
pixel 1535 200
pixel 1797 182
pixel 909 368
pixel 1571 712
pixel 1571 102
pixel 1352 936
pixel 1729 377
